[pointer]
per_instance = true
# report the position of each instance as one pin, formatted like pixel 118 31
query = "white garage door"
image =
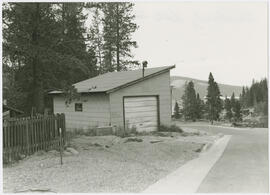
pixel 141 112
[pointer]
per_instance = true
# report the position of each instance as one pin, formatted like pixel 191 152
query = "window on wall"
pixel 78 107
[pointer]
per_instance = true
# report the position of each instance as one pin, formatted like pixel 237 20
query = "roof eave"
pixel 126 84
pixel 140 79
pixel 60 93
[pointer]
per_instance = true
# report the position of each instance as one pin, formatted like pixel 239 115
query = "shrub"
pixel 261 108
pixel 172 128
pixel 120 132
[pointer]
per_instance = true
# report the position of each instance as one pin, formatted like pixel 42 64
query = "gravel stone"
pixel 122 168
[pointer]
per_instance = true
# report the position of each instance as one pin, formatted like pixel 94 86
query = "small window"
pixel 78 107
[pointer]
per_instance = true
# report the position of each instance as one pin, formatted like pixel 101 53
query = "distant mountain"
pixel 178 84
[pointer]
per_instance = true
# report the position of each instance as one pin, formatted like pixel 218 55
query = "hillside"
pixel 178 84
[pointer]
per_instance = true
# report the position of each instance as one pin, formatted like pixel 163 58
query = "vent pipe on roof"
pixel 144 63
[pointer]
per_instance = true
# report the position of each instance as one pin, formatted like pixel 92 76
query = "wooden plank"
pixel 18 137
pixel 140 114
pixel 31 135
pixel 141 109
pixel 12 139
pixel 141 104
pixel 41 134
pixel 45 132
pixel 64 129
pixel 4 139
pixel 139 99
pixel 8 140
pixel 27 126
pixel 28 135
pixel 49 132
pixel 4 134
pixel 35 134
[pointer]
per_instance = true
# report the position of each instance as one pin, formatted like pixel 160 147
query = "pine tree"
pixel 119 26
pixel 95 36
pixel 176 111
pixel 189 102
pixel 242 97
pixel 228 109
pixel 199 107
pixel 237 111
pixel 44 44
pixel 214 104
pixel 233 100
pixel 29 34
pixel 75 55
pixel 256 94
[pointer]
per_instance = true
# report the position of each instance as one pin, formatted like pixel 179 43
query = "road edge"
pixel 188 177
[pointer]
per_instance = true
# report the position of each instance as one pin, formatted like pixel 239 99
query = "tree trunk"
pixel 38 99
pixel 117 39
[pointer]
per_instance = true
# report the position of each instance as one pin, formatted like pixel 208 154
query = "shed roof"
pixel 113 81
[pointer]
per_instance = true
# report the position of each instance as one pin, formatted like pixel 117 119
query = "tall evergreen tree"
pixel 189 102
pixel 95 36
pixel 233 100
pixel 214 104
pixel 237 111
pixel 44 43
pixel 256 94
pixel 27 43
pixel 199 107
pixel 242 97
pixel 75 56
pixel 119 26
pixel 228 108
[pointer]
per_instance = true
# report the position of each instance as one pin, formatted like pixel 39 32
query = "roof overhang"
pixel 140 79
pixel 59 92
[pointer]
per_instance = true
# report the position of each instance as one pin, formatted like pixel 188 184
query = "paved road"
pixel 243 167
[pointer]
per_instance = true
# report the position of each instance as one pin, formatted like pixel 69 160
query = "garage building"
pixel 124 99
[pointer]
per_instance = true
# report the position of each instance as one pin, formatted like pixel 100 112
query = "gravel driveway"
pixel 104 164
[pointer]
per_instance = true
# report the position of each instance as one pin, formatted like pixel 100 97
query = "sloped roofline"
pixel 124 85
pixel 140 79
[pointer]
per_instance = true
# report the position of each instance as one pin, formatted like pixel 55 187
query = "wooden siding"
pixel 141 112
pixel 159 85
pixel 96 111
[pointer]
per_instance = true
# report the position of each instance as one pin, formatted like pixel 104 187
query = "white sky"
pixel 227 38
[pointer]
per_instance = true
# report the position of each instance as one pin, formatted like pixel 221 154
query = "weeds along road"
pixel 243 167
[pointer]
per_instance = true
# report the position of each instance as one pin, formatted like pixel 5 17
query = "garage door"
pixel 141 112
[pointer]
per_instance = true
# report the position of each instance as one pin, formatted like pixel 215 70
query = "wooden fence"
pixel 24 136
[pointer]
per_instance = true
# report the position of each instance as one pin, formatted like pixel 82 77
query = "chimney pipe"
pixel 144 63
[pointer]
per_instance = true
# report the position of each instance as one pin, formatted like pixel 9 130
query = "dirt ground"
pixel 105 164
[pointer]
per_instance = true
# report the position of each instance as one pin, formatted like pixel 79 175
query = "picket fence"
pixel 25 136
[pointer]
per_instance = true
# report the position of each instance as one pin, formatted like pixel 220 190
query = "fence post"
pixel 27 136
pixel 56 128
pixel 63 128
pixel 61 154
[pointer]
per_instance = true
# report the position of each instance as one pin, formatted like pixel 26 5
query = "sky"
pixel 228 39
